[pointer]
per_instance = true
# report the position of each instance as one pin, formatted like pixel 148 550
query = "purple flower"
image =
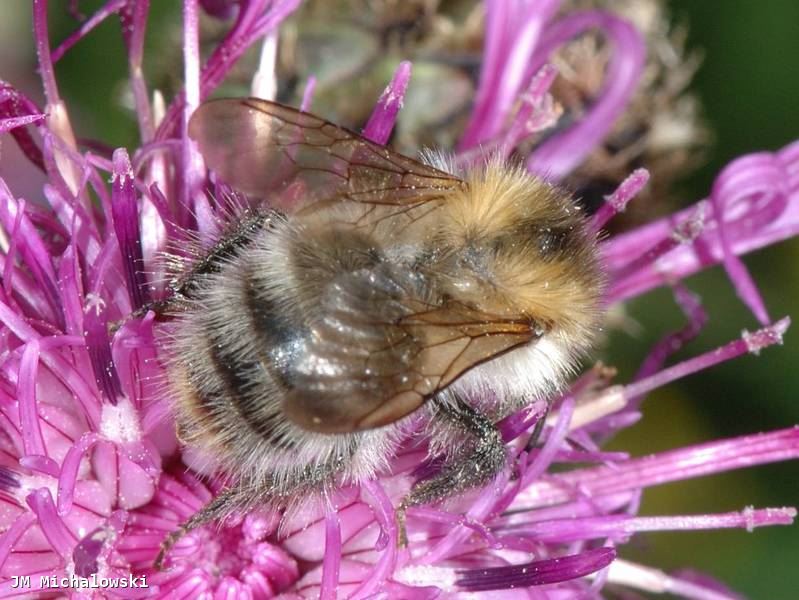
pixel 92 477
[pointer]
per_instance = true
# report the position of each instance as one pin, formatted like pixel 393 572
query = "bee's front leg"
pixel 480 457
pixel 538 429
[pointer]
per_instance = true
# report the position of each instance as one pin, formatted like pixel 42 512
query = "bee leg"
pixel 182 288
pixel 481 457
pixel 217 508
pixel 161 308
pixel 535 435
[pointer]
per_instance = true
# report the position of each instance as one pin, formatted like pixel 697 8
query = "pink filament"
pixel 26 392
pixel 332 561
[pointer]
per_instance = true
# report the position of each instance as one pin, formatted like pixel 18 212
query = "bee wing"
pixel 382 350
pixel 295 159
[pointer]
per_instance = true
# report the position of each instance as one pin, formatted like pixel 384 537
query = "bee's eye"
pixel 552 240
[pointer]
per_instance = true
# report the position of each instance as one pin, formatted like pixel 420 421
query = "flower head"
pixel 92 476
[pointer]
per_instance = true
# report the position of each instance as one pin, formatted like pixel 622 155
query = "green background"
pixel 750 89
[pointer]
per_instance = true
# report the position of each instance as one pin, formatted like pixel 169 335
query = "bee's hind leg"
pixel 480 457
pixel 207 261
pixel 218 508
pixel 163 309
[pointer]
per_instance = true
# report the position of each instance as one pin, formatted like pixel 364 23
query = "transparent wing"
pixel 382 350
pixel 294 159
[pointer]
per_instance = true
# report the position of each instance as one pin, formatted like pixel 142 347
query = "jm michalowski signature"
pixel 75 582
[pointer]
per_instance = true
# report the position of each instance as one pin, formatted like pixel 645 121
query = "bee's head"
pixel 515 244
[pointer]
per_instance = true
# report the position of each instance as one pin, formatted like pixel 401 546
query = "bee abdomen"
pixel 246 387
pixel 279 337
pixel 225 384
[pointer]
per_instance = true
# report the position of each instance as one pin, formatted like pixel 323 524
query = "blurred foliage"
pixel 749 88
